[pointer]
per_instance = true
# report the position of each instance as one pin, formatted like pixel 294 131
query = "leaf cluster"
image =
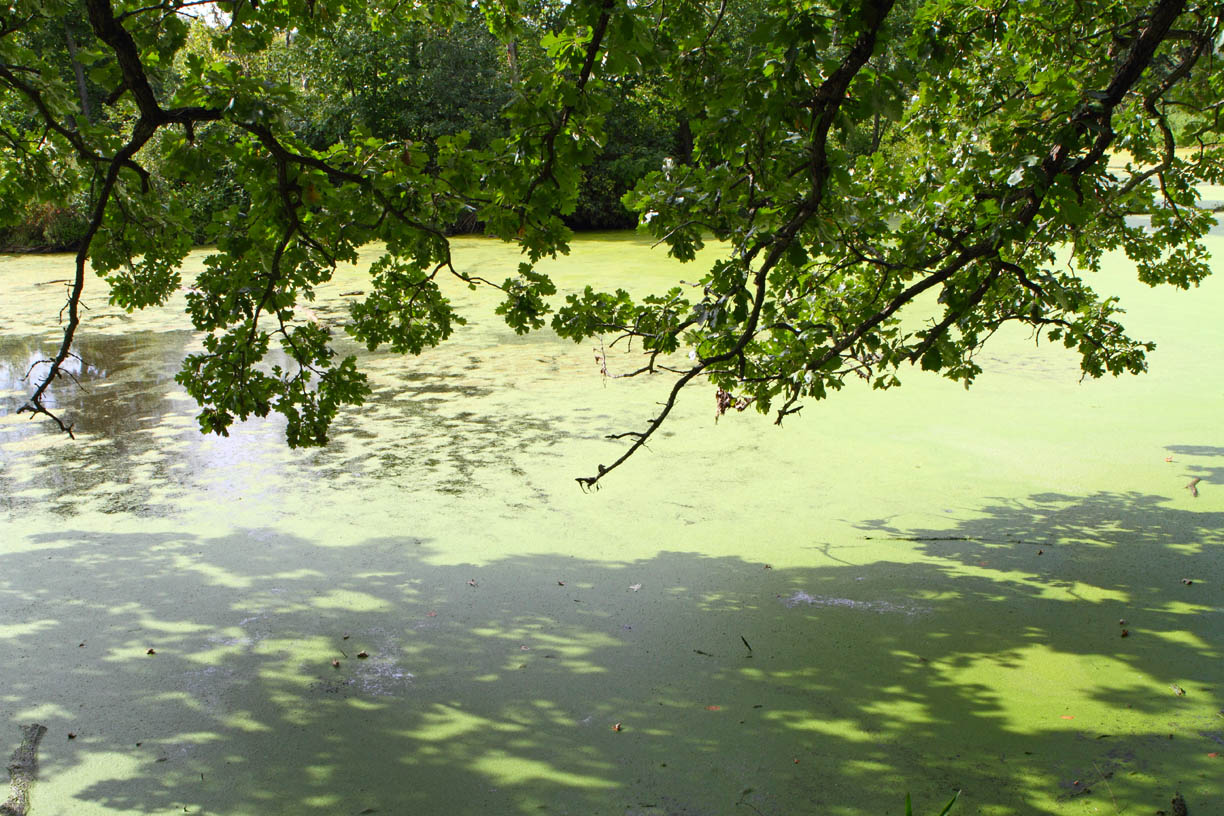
pixel 887 183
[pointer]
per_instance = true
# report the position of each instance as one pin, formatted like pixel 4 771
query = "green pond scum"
pixel 1008 591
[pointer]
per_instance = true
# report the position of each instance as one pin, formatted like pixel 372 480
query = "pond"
pixel 915 591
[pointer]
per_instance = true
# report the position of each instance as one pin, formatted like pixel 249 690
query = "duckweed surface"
pixel 923 590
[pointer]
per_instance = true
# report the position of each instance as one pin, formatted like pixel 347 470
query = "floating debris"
pixel 23 770
pixel 882 607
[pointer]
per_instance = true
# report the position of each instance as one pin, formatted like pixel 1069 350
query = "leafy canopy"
pixel 848 157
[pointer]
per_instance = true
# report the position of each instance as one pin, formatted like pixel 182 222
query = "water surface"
pixel 915 591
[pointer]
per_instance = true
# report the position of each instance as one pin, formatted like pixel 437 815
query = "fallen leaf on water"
pixel 431 614
pixel 713 708
pixel 795 760
pixel 363 654
pixel 1068 717
pixel 1214 754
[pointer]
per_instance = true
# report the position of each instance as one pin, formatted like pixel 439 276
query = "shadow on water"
pixel 875 657
pixel 136 424
pixel 737 687
pixel 1211 475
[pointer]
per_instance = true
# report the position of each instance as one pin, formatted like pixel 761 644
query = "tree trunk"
pixel 79 70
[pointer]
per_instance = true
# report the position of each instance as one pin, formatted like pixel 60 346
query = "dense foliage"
pixel 850 156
